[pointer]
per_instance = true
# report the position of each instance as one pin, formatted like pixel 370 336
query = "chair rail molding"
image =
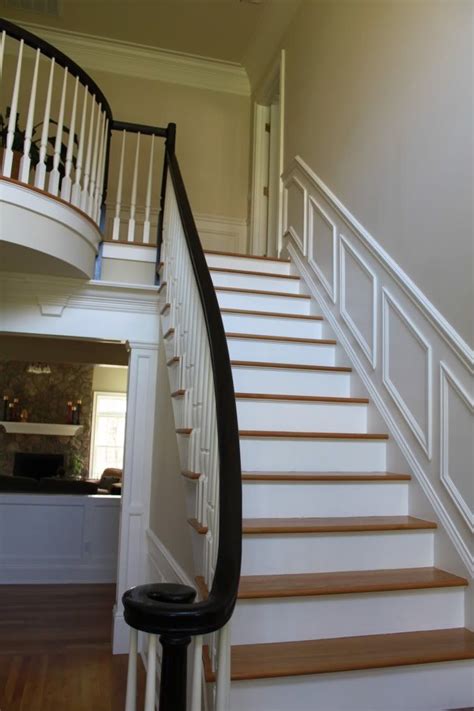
pixel 418 370
pixel 136 60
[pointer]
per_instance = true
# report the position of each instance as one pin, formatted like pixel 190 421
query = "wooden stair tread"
pixel 275 434
pixel 283 339
pixel 247 256
pixel 325 476
pixel 194 476
pixel 301 398
pixel 225 270
pixel 165 308
pixel 292 366
pixel 343 583
pixel 184 430
pixel 169 332
pixel 260 292
pixel 178 393
pixel 320 656
pixel 335 524
pixel 162 286
pixel 273 314
pixel 194 523
pixel 173 360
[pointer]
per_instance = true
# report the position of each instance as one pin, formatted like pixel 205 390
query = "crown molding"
pixel 136 60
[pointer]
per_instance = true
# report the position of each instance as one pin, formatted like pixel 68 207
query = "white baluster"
pixel 133 201
pixel 118 203
pixel 146 224
pixel 196 693
pixel 150 691
pixel 66 185
pixel 53 185
pixel 3 40
pixel 8 151
pixel 99 188
pixel 25 162
pixel 40 173
pixel 131 698
pixel 95 158
pixel 76 188
pixel 87 166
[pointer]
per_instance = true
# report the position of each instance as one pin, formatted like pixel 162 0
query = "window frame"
pixel 96 395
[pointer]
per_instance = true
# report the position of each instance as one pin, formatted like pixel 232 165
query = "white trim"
pixel 167 567
pixel 464 548
pixel 137 60
pixel 300 240
pixel 444 328
pixel 260 159
pixel 447 379
pixel 423 437
pixel 313 207
pixel 130 252
pixel 370 350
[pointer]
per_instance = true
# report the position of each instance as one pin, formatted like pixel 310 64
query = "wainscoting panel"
pixel 417 369
pixel 322 247
pixel 58 539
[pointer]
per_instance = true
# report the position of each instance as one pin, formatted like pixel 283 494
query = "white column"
pixel 132 570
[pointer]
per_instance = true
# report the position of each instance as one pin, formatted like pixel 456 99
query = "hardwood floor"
pixel 55 649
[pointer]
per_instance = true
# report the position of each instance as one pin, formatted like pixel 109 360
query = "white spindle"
pixel 99 188
pixel 95 159
pixel 87 166
pixel 131 698
pixel 150 690
pixel 25 162
pixel 133 200
pixel 118 203
pixel 8 151
pixel 196 693
pixel 40 173
pixel 53 185
pixel 3 40
pixel 66 185
pixel 146 224
pixel 76 188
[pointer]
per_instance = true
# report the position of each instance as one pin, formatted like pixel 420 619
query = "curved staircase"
pixel 340 604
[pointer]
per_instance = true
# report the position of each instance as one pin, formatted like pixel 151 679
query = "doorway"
pixel 266 208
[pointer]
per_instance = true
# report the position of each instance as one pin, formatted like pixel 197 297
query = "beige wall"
pixel 167 505
pixel 379 103
pixel 109 380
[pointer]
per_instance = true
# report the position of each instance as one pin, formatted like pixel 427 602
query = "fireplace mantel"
pixel 40 428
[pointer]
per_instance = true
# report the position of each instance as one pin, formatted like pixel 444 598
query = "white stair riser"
pixel 252 281
pixel 278 499
pixel 327 616
pixel 251 379
pixel 263 302
pixel 225 261
pixel 271 325
pixel 280 554
pixel 285 454
pixel 304 354
pixel 421 687
pixel 301 416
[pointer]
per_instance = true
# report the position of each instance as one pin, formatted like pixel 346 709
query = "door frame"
pixel 273 85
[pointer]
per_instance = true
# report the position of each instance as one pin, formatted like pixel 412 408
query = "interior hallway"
pixel 55 649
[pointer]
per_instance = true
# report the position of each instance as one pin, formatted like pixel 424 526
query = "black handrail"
pixel 59 57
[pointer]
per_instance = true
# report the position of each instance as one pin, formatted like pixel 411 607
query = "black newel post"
pixel 174 673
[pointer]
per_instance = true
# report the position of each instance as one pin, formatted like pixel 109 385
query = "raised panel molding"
pixel 330 284
pixel 422 433
pixel 369 348
pixel 449 385
pixel 289 227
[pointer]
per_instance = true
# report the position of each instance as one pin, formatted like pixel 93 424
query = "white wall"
pixel 58 538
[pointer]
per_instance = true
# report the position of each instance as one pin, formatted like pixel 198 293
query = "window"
pixel 108 432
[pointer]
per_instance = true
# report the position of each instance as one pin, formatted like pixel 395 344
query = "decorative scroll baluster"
pixel 76 188
pixel 133 201
pixel 146 223
pixel 66 185
pixel 40 173
pixel 87 167
pixel 53 185
pixel 99 188
pixel 95 158
pixel 8 151
pixel 25 162
pixel 118 202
